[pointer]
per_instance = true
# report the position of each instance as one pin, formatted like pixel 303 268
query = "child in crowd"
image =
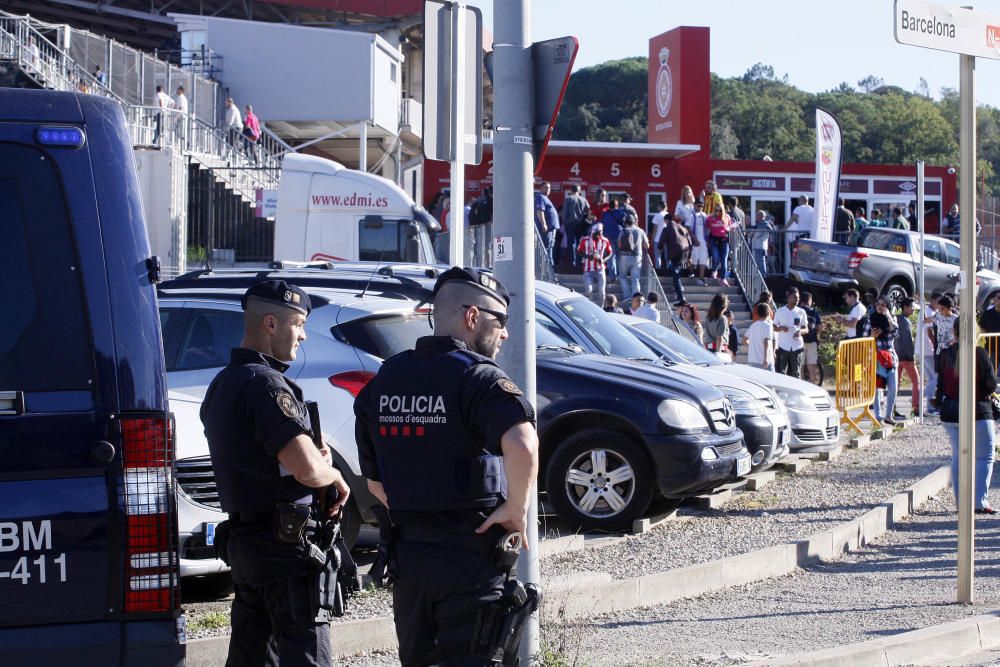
pixel 760 339
pixel 734 336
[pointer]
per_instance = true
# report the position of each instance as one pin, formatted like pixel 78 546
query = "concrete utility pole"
pixel 513 166
pixel 967 330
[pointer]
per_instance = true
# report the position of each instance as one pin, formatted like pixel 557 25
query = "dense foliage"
pixel 761 114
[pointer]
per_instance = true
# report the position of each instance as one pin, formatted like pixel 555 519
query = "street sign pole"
pixel 971 34
pixel 512 209
pixel 921 335
pixel 967 329
pixel 456 228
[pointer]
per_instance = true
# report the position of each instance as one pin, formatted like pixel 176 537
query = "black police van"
pixel 88 562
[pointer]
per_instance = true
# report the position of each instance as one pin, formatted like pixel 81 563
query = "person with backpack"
pixel 575 218
pixel 633 244
pixel 675 243
pixel 613 220
pixel 718 224
pixel 481 212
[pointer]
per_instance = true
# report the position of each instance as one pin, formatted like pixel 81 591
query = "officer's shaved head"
pixel 449 310
pixel 257 309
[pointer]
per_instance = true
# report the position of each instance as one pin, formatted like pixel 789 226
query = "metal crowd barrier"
pixel 991 343
pixel 856 374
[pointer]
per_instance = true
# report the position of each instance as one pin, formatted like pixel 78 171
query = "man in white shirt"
pixel 648 310
pixel 181 105
pixel 760 349
pixel 857 311
pixel 656 226
pixel 801 223
pixel 233 124
pixel 790 322
pixel 163 102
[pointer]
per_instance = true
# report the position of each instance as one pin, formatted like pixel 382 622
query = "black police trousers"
pixel 273 615
pixel 438 590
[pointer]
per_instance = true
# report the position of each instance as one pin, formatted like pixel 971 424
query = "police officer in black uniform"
pixel 447 443
pixel 267 468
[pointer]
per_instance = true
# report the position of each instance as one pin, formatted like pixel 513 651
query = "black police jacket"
pixel 250 412
pixel 429 427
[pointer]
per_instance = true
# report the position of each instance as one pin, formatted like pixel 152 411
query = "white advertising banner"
pixel 828 150
pixel 945 28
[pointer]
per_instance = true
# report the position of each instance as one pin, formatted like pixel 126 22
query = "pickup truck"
pixel 889 261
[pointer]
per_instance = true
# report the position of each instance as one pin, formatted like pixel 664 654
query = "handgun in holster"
pixel 500 624
pixel 382 571
pixel 331 561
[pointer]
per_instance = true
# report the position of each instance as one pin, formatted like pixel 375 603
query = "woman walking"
pixel 946 398
pixel 718 224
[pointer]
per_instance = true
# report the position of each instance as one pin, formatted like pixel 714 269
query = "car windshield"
pixel 682 348
pixel 612 337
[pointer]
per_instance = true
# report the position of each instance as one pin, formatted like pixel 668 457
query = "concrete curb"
pixel 347 638
pixel 586 594
pixel 938 642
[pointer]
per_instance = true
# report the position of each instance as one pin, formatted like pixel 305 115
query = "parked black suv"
pixel 88 561
pixel 614 433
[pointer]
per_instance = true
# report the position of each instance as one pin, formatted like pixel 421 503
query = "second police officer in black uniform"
pixel 448 443
pixel 268 470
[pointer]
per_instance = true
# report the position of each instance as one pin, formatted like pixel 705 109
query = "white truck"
pixel 327 212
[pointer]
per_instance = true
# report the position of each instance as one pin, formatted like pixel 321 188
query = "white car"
pixel 197 501
pixel 815 422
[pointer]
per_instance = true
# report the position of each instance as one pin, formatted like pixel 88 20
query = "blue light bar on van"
pixel 70 137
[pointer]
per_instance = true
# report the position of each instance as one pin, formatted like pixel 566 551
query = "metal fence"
pixel 746 266
pixel 222 227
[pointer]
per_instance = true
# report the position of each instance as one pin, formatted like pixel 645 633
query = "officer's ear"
pixel 270 322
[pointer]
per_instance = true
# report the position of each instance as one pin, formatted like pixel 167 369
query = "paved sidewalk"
pixel 904 581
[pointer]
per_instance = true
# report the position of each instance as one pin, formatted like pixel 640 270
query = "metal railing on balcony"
pixel 26 41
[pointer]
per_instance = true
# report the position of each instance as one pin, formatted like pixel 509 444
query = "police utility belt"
pixel 330 561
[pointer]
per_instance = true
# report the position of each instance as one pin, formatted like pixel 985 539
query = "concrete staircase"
pixel 699 295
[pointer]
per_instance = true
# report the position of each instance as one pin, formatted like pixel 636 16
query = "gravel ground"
pixel 792 507
pixel 901 582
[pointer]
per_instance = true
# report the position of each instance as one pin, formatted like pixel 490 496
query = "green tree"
pixel 606 102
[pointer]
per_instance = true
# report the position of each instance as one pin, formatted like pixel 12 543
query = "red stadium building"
pixel 678 154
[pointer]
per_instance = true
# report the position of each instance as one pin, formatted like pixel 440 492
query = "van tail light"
pixel 352 381
pixel 854 260
pixel 151 570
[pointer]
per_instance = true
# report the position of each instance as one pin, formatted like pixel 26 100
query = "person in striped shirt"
pixel 594 252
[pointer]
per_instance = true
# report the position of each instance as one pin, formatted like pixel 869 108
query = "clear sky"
pixel 816 43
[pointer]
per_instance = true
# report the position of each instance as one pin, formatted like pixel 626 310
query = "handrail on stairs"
pixel 748 276
pixel 50 66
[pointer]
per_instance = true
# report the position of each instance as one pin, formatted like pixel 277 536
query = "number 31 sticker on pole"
pixel 503 249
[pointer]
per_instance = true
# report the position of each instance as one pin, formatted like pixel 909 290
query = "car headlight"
pixel 794 399
pixel 681 414
pixel 743 402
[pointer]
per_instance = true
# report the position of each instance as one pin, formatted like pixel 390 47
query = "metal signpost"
pixel 453 101
pixel 921 336
pixel 970 34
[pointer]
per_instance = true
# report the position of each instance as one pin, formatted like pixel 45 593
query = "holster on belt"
pixel 334 570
